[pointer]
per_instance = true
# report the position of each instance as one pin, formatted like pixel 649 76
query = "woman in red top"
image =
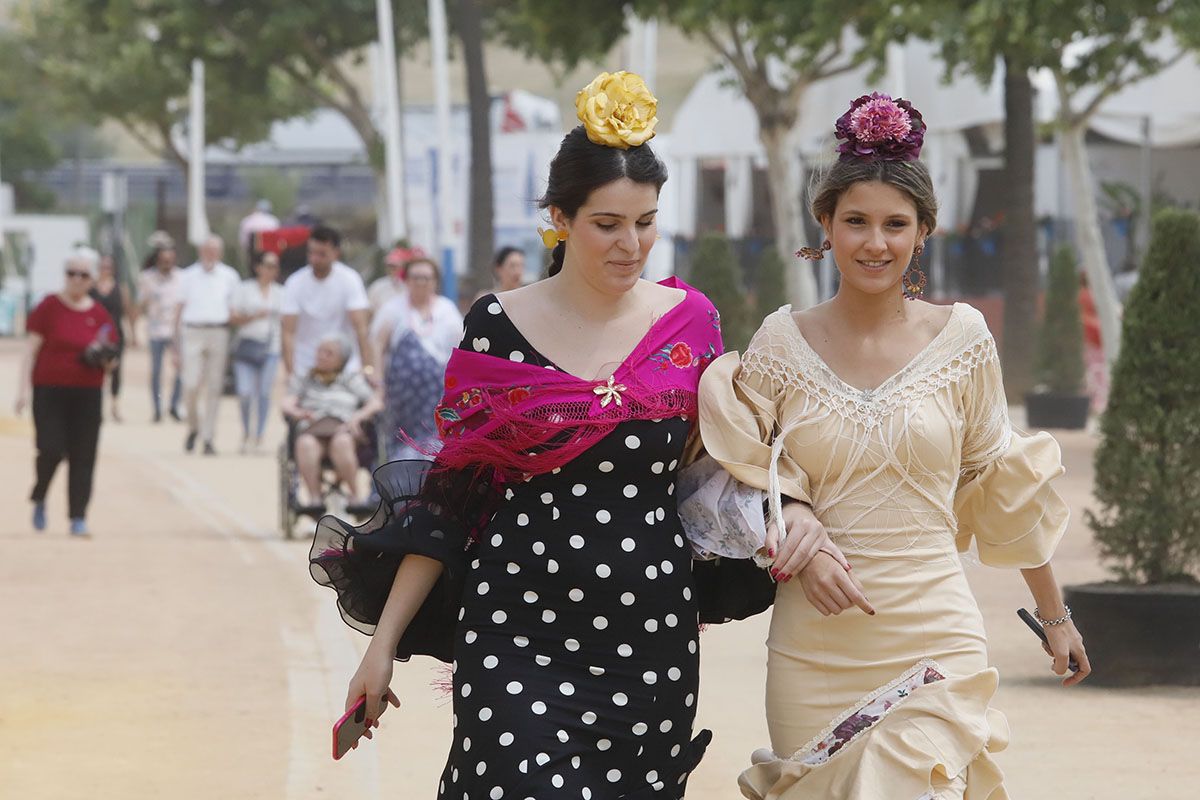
pixel 72 342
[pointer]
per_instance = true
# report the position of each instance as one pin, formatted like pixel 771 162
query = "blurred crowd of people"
pixel 362 365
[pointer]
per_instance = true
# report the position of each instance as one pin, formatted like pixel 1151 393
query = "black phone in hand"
pixel 1037 628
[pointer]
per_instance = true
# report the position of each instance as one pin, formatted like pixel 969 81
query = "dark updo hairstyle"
pixel 910 177
pixel 581 167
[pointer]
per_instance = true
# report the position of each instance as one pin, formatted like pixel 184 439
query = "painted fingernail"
pixel 783 576
pixel 771 552
pixel 872 613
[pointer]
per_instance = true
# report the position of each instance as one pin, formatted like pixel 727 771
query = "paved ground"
pixel 183 651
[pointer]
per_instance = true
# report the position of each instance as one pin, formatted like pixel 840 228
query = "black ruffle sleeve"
pixel 360 563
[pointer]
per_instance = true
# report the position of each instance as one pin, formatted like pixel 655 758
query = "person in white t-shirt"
pixel 324 297
pixel 205 305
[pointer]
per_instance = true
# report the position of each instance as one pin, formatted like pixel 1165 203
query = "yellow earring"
pixel 551 237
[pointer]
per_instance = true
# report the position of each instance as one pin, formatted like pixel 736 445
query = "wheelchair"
pixel 371 454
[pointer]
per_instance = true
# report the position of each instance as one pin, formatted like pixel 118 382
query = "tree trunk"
pixel 784 173
pixel 480 216
pixel 1020 263
pixel 1088 237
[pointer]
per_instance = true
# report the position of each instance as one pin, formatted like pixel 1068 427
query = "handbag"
pixel 251 351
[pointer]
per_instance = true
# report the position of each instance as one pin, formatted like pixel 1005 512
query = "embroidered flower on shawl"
pixel 714 319
pixel 681 356
pixel 446 418
pixel 518 393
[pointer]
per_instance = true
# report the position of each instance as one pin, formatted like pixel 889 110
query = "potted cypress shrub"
pixel 1144 628
pixel 716 272
pixel 770 291
pixel 1058 400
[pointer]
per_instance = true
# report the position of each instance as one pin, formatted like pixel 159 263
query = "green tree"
pixel 1060 338
pixel 770 290
pixel 1148 462
pixel 716 272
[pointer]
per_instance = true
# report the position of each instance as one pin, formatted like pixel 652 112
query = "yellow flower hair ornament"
pixel 617 110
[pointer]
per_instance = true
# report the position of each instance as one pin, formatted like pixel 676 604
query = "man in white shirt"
pixel 259 220
pixel 205 302
pixel 323 297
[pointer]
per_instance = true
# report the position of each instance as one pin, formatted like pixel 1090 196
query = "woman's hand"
pixel 831 588
pixel 805 537
pixel 1066 643
pixel 355 427
pixel 372 681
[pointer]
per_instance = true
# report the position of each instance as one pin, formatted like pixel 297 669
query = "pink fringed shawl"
pixel 520 419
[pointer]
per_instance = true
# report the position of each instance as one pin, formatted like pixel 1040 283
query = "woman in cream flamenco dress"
pixel 905 455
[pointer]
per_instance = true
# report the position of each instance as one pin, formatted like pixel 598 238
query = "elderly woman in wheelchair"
pixel 328 409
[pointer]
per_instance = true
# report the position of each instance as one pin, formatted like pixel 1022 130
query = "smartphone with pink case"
pixel 350 728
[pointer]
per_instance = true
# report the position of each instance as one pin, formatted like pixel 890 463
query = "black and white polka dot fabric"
pixel 577 654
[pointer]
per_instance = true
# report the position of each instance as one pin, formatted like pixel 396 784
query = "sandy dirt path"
pixel 184 652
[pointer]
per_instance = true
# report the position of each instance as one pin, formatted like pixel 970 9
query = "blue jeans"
pixel 158 349
pixel 254 382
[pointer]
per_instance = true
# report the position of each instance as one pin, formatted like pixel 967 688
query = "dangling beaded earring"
pixel 913 282
pixel 814 253
pixel 551 237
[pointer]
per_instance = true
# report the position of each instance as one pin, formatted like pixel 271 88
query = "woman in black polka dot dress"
pixel 542 553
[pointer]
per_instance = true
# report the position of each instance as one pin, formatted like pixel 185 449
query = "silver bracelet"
pixel 1049 623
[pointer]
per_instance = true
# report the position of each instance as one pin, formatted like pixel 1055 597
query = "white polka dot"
pixel 633 442
pixel 466 690
pixel 508 494
pixel 483 588
pixel 671 620
pixel 524 768
pixel 542 661
pixel 575 594
pixel 603 744
pixel 496 793
pixel 588 717
pixel 499 617
pixel 557 780
pixel 651 776
pixel 494 308
pixel 624 650
pixel 673 464
pixel 657 467
pixel 586 792
pixel 596 670
pixel 606 466
pixel 600 623
pixel 687 593
pixel 531 597
pixel 490 662
pixel 576 541
pixel 485 714
pixel 556 470
pixel 651 625
pixel 603 517
pixel 614 775
pixel 555 513
pixel 651 572
pixel 548 615
pixel 628 544
pixel 497 540
pixel 562 736
pixel 552 566
pixel 665 726
pixel 475 563
pixel 513 567
pixel 516 355
pixel 627 599
pixel 521 641
pixel 659 514
pixel 692 647
pixel 539 708
pixel 466 744
pixel 480 768
pixel 522 520
pixel 649 517
pixel 667 567
pixel 572 645
pixel 620 699
pixel 566 689
pixel 539 548
pixel 674 674
pixel 470 637
pixel 579 490
pixel 631 491
pixel 691 698
pixel 542 759
pixel 640 728
pixel 547 498
pixel 514 687
pixel 650 677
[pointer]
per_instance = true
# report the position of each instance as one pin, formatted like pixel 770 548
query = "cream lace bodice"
pixel 907 467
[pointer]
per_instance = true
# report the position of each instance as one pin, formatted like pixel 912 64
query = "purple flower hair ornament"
pixel 878 128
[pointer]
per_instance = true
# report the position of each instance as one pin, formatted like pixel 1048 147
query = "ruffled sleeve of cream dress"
pixel 903 476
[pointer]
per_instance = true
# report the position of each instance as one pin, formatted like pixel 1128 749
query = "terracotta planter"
pixel 1139 635
pixel 1053 410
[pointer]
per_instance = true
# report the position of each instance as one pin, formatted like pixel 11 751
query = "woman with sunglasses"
pixel 72 343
